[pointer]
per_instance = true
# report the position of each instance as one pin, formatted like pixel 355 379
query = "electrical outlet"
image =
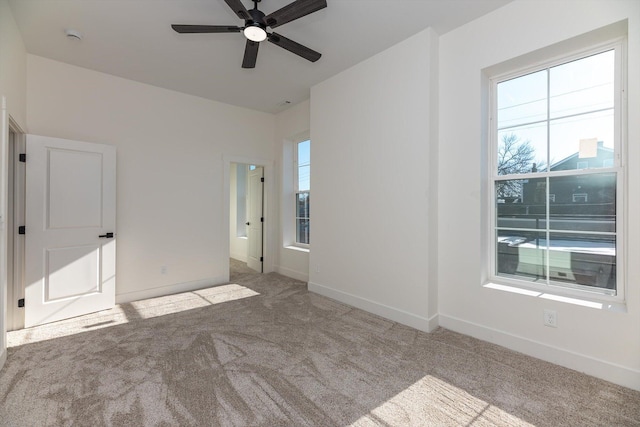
pixel 550 318
pixel 163 269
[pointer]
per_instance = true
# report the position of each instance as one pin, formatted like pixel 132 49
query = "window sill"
pixel 618 307
pixel 297 248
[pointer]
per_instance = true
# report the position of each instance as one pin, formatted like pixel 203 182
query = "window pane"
pixel 582 86
pixel 585 138
pixel 521 203
pixel 522 100
pixel 522 149
pixel 302 205
pixel 304 165
pixel 302 230
pixel 584 203
pixel 522 254
pixel 583 259
pixel 302 218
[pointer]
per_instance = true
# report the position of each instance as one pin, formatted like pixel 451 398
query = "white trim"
pixel 4 201
pixel 298 248
pixel 294 274
pixel 391 313
pixel 612 372
pixel 176 288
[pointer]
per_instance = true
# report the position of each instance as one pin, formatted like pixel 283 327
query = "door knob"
pixel 248 223
pixel 108 235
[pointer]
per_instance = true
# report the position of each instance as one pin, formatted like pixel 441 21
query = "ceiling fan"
pixel 256 24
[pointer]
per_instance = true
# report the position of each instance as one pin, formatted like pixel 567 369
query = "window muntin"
pixel 302 191
pixel 555 213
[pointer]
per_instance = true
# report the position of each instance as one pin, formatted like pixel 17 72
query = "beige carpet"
pixel 263 351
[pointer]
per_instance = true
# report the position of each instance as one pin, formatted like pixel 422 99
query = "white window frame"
pixel 549 286
pixel 296 192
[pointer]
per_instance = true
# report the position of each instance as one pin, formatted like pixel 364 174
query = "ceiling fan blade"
pixel 294 47
pixel 239 9
pixel 250 54
pixel 293 11
pixel 185 29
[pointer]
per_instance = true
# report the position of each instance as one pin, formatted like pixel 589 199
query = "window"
pixel 548 123
pixel 302 190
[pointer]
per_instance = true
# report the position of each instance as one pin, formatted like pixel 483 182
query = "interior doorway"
pixel 246 214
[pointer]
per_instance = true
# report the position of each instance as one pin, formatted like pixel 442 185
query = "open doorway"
pixel 246 216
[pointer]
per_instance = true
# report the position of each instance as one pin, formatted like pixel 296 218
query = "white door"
pixel 255 220
pixel 70 249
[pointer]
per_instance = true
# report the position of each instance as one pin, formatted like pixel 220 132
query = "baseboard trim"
pixel 433 322
pixel 391 313
pixel 292 273
pixel 238 256
pixel 599 368
pixel 170 289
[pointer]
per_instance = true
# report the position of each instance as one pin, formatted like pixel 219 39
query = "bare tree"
pixel 514 156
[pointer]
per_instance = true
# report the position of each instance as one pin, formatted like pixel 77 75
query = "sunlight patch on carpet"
pixel 432 401
pixel 129 312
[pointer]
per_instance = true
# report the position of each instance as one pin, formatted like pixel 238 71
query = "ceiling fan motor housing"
pixel 257 19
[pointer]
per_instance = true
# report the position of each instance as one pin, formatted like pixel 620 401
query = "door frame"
pixel 267 207
pixel 15 217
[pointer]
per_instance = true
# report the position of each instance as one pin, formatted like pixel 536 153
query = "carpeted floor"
pixel 263 351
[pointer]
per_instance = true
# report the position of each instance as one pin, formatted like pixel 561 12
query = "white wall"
pixel 291 123
pixel 603 343
pixel 371 181
pixel 13 64
pixel 171 207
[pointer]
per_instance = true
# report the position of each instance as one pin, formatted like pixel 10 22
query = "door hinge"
pixel 22 157
pixel 261 219
pixel 262 179
pixel 22 229
pixel 261 259
pixel 21 303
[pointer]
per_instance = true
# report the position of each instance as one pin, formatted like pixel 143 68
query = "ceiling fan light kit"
pixel 256 24
pixel 255 33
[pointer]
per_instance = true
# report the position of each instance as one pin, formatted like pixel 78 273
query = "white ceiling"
pixel 133 39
